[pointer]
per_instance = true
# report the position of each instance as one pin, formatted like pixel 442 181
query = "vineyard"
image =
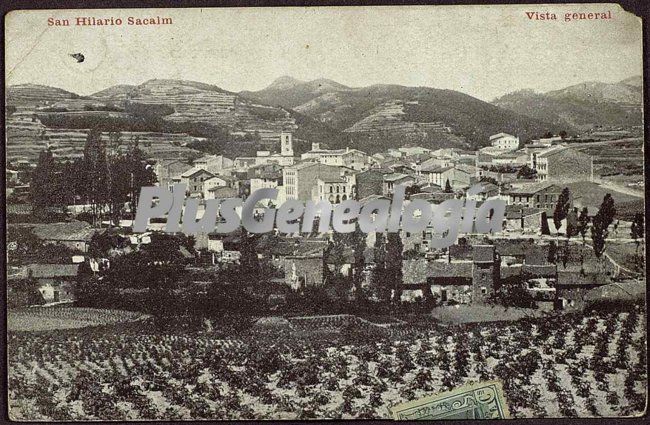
pixel 563 366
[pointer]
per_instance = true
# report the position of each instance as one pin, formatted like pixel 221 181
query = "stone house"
pixel 56 281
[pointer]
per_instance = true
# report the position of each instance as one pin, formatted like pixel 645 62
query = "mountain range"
pixel 582 106
pixel 371 118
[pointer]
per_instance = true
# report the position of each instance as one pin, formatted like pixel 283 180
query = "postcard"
pixel 365 212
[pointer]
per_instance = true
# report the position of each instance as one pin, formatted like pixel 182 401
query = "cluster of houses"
pixel 468 272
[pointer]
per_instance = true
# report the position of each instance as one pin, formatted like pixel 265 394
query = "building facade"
pixel 504 141
pixel 561 164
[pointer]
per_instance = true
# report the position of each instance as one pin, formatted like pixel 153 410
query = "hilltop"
pixel 582 106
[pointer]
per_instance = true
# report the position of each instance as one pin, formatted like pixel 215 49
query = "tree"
pixel 572 223
pixel 378 273
pixel 600 224
pixel 544 224
pixel 448 188
pixel 335 253
pixel 43 185
pixel 96 173
pixel 489 179
pixel 583 223
pixel 248 261
pixel 358 248
pixel 101 243
pixel 23 292
pixel 394 252
pixel 513 293
pixel 526 172
pixel 552 252
pixel 411 190
pixel 561 208
pixel 607 210
pixel 599 235
pixel 637 230
pixel 142 173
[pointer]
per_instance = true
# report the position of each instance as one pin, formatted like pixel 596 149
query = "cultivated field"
pixel 53 318
pixel 574 365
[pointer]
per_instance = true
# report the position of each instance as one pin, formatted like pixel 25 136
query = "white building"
pixel 263 158
pixel 212 182
pixel 504 141
pixel 334 189
pixel 213 163
pixel 351 158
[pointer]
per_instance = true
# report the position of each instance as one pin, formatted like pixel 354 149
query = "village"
pixel 544 247
pixel 348 213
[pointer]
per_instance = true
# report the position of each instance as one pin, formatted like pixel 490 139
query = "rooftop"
pixel 192 171
pixel 532 188
pixel 500 135
pixel 395 177
pixel 66 231
pixel 53 270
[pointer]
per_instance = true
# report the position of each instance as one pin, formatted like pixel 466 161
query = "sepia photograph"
pixel 417 212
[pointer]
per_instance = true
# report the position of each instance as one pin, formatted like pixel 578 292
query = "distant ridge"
pixel 372 118
pixel 636 81
pixel 582 106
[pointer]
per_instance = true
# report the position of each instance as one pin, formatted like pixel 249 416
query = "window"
pixel 483 290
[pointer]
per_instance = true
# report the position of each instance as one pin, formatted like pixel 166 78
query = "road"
pixel 606 184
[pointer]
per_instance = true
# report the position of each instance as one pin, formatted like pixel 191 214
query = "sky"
pixel 484 51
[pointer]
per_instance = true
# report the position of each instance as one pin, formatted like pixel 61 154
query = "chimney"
pixel 315 146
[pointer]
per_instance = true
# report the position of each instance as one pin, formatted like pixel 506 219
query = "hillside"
pixel 391 115
pixel 636 81
pixel 290 93
pixel 372 118
pixel 595 91
pixel 582 106
pixel 165 114
pixel 27 96
pixel 194 102
pixel 120 91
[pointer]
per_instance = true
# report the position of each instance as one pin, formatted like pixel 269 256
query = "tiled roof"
pixel 192 171
pixel 444 269
pixel 53 270
pixel 224 178
pixel 68 231
pixel 439 169
pixel 483 253
pixel 515 211
pixel 576 278
pixel 395 176
pixel 531 189
pixel 499 135
pixel 370 198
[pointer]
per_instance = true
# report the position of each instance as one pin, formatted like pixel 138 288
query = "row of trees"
pixel 577 223
pixel 386 277
pixel 105 178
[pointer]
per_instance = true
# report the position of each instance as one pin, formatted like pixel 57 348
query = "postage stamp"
pixel 483 400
